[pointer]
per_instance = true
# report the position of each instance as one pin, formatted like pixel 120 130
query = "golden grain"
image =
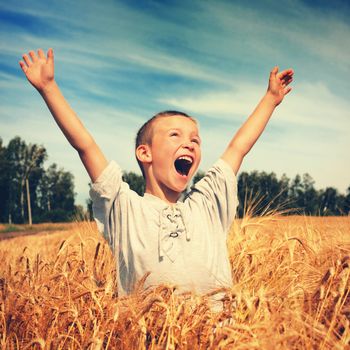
pixel 291 291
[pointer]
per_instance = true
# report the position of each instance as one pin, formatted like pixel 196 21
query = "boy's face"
pixel 175 151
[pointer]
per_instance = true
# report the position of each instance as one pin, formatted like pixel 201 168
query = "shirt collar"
pixel 156 200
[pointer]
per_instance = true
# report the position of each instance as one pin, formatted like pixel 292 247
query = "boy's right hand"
pixel 39 69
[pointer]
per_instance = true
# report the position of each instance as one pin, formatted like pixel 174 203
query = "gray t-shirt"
pixel 182 244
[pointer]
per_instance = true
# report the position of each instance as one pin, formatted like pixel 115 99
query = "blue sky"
pixel 120 62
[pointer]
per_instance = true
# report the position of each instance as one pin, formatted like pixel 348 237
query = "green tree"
pixel 27 188
pixel 310 200
pixel 23 170
pixel 32 173
pixel 304 196
pixel 260 191
pixel 346 204
pixel 4 182
pixel 56 195
pixel 14 155
pixel 90 212
pixel 296 192
pixel 328 201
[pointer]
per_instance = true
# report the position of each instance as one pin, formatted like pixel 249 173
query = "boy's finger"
pixel 284 85
pixel 50 55
pixel 287 90
pixel 288 81
pixel 274 71
pixel 288 71
pixel 41 54
pixel 33 56
pixel 27 60
pixel 284 73
pixel 287 78
pixel 23 66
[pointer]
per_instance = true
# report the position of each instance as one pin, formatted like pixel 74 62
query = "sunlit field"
pixel 291 291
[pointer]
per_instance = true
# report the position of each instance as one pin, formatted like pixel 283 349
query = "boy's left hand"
pixel 278 84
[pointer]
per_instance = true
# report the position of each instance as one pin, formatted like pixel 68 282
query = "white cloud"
pixel 219 104
pixel 311 104
pixel 176 66
pixel 315 105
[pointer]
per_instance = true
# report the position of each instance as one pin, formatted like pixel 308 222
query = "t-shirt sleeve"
pixel 103 193
pixel 218 190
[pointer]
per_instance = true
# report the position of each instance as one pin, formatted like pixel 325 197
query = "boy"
pixel 182 243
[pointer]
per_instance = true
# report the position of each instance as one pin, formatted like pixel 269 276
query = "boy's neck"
pixel 164 194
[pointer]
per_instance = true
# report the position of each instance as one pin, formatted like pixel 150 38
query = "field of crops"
pixel 291 291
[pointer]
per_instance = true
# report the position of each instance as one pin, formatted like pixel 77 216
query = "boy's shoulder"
pixel 219 171
pixel 219 180
pixel 110 185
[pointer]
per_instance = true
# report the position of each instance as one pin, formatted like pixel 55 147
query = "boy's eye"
pixel 196 141
pixel 174 133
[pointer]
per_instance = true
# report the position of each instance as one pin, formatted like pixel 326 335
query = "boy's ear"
pixel 143 154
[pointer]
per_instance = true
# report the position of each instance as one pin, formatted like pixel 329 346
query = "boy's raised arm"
pixel 253 127
pixel 39 71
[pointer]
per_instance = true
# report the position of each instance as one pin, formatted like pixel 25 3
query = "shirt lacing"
pixel 172 227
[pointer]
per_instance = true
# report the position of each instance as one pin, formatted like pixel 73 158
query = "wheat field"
pixel 291 291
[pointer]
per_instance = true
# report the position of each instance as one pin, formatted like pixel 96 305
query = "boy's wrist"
pixel 270 98
pixel 48 88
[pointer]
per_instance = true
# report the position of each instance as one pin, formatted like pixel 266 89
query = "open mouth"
pixel 183 165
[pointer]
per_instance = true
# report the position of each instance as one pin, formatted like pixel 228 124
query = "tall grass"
pixel 291 291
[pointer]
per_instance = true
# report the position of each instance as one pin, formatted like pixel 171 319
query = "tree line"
pixel 28 191
pixel 293 196
pixel 259 192
pixel 31 193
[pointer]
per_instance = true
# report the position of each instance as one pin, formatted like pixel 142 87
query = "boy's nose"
pixel 188 145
